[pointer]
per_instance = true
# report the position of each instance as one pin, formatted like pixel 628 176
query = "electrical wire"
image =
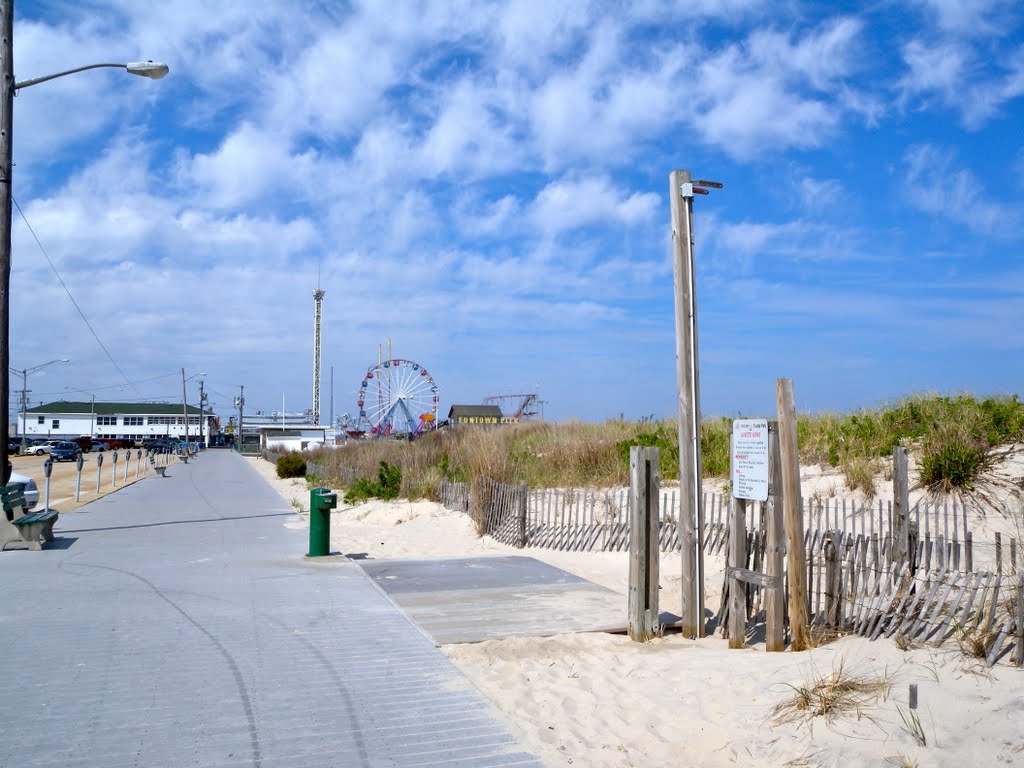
pixel 70 296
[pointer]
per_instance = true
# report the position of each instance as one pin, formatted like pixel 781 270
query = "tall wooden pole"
pixel 793 507
pixel 775 638
pixel 691 507
pixel 6 166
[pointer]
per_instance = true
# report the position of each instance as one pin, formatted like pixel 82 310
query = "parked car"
pixel 88 444
pixel 33 448
pixel 161 445
pixel 28 487
pixel 66 451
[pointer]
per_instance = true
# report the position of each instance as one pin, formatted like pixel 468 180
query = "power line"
pixel 68 292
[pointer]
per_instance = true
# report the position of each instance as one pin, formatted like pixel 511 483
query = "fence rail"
pixel 854 580
pixel 598 520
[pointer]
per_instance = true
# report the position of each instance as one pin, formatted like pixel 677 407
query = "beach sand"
pixel 596 699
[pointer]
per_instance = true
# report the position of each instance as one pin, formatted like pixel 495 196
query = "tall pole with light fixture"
pixel 8 87
pixel 691 503
pixel 24 392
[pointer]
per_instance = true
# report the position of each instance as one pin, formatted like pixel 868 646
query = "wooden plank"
pixel 952 610
pixel 923 605
pixel 1018 656
pixel 993 652
pixel 939 606
pixel 994 606
pixel 910 597
pixel 754 577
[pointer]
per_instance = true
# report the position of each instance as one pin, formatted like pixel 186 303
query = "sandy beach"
pixel 597 699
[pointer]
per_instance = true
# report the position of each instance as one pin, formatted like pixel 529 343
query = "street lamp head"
pixel 154 70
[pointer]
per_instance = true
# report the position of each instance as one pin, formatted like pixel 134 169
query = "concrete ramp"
pixel 467 600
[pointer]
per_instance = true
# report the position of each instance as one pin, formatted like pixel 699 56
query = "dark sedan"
pixel 66 451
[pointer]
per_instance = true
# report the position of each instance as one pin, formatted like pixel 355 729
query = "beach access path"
pixel 177 622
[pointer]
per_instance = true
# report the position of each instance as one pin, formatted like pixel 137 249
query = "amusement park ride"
pixel 399 397
pixel 396 397
pixel 517 407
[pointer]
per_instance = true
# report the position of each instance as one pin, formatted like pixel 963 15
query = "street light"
pixel 184 400
pixel 8 87
pixel 24 390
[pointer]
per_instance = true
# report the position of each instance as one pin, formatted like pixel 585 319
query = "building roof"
pixel 458 411
pixel 115 409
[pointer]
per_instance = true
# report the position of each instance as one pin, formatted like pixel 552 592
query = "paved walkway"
pixel 177 623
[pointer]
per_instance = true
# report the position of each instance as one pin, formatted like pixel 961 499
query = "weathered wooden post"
pixel 682 188
pixel 521 528
pixel 792 504
pixel 737 558
pixel 833 590
pixel 644 518
pixel 1019 651
pixel 900 506
pixel 775 598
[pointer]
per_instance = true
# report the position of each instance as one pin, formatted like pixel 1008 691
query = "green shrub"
pixel 386 486
pixel 291 465
pixel 951 465
pixel 668 451
pixel 714 447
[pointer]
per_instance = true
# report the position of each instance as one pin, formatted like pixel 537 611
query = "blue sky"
pixel 486 185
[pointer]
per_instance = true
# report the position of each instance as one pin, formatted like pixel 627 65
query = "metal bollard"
pixel 321 502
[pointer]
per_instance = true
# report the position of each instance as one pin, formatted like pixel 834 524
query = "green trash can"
pixel 321 502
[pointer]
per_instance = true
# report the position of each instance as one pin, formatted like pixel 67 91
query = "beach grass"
pixel 956 442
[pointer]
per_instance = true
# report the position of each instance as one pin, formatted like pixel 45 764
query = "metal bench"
pixel 19 525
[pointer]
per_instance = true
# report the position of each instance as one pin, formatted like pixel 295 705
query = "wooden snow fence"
pixel 598 520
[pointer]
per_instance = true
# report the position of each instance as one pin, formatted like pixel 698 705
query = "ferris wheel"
pixel 397 396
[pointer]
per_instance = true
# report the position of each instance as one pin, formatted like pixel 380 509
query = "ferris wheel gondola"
pixel 397 397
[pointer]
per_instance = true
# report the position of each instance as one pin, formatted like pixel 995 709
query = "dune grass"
pixel 956 441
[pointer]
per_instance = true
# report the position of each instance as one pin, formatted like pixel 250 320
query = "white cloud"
pixel 249 165
pixel 772 92
pixel 568 204
pixel 968 18
pixel 933 184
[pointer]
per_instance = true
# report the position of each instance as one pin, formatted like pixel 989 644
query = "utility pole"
pixel 240 402
pixel 24 405
pixel 184 404
pixel 6 166
pixel 691 509
pixel 202 415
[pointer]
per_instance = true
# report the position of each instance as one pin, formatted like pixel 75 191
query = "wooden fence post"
pixel 1019 652
pixel 737 559
pixel 901 504
pixel 792 505
pixel 775 597
pixel 521 528
pixel 644 518
pixel 833 590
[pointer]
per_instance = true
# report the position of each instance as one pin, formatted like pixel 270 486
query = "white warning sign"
pixel 750 459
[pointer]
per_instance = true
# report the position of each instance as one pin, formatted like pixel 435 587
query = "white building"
pixel 117 421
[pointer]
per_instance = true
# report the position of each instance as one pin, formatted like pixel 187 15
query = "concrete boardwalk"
pixel 177 623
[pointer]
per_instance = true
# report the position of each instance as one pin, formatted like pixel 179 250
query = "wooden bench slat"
pixel 36 517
